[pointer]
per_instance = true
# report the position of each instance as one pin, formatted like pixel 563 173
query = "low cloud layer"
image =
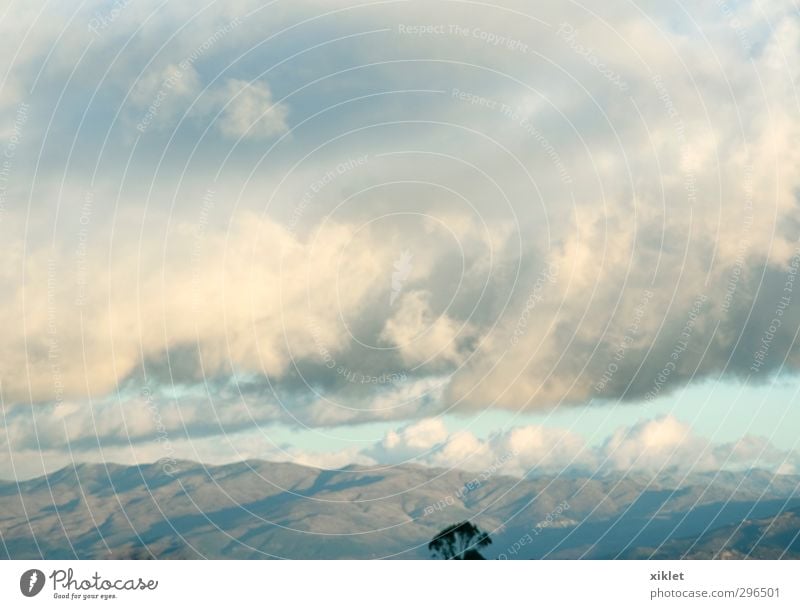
pixel 655 447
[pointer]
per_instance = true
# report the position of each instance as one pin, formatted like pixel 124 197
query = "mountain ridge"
pixel 263 509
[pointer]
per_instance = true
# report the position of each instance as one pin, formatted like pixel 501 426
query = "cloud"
pixel 163 95
pixel 563 231
pixel 412 441
pixel 182 317
pixel 658 443
pixel 655 447
pixel 240 110
pixel 421 337
pixel 248 111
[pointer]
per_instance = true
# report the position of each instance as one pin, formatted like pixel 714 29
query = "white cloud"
pixel 184 305
pixel 248 111
pixel 420 336
pixel 652 447
pixel 655 444
pixel 162 95
pixel 685 185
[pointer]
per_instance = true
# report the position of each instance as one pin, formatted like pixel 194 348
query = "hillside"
pixel 258 509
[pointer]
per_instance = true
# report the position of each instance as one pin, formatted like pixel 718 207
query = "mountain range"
pixel 259 509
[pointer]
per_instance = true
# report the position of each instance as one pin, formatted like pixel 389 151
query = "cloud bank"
pixel 331 214
pixel 657 447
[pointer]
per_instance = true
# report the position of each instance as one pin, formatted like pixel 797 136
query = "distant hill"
pixel 772 538
pixel 257 509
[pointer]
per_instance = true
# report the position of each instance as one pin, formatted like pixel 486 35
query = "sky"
pixel 554 236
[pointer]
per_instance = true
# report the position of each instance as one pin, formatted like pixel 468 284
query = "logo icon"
pixel 31 582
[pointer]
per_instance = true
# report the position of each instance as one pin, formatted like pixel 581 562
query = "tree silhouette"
pixel 459 542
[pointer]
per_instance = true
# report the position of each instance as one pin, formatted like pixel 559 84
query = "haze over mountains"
pixel 259 509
